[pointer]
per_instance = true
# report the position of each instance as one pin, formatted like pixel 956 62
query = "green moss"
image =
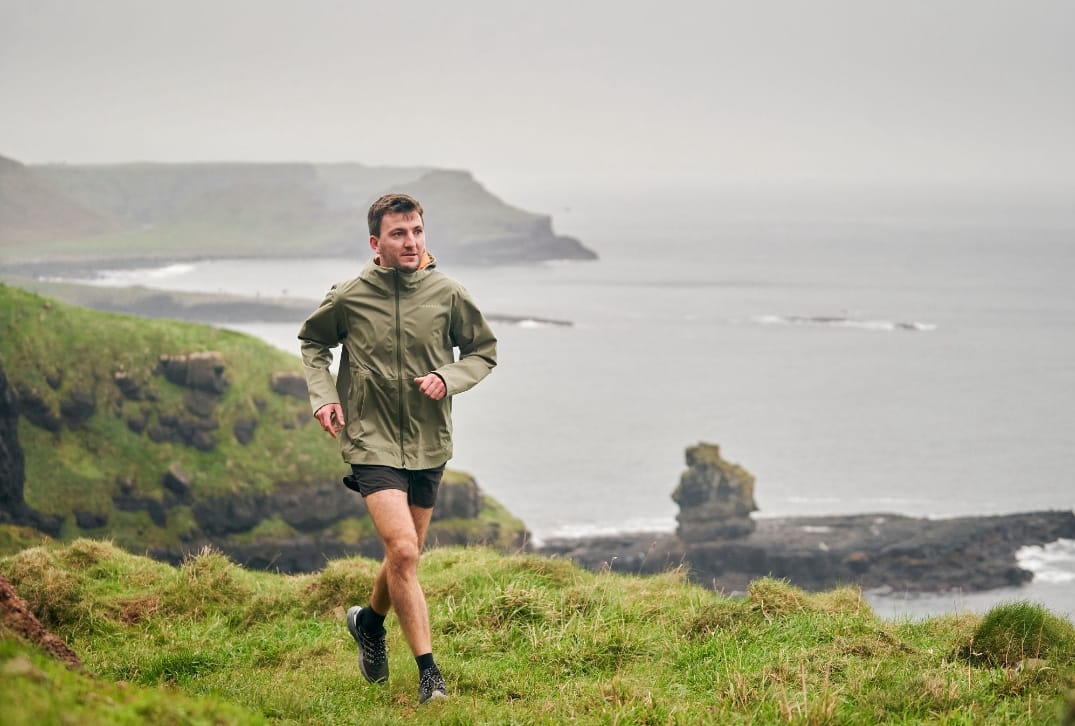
pixel 273 528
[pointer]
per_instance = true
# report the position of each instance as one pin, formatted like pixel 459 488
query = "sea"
pixel 857 350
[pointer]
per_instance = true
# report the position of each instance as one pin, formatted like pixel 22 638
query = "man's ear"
pixel 374 243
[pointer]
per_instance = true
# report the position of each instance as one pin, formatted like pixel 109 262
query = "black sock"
pixel 371 620
pixel 424 662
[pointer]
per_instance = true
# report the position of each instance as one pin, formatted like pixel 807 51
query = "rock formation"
pixel 715 497
pixel 12 460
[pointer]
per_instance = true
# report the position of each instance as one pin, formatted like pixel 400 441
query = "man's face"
pixel 402 242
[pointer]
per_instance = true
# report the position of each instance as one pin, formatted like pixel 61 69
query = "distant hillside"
pixel 32 211
pixel 167 436
pixel 175 211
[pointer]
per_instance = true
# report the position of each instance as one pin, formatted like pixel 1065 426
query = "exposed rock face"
pixel 244 429
pixel 461 500
pixel 128 385
pixel 77 408
pixel 32 405
pixel 715 497
pixel 12 459
pixel 305 508
pixel 178 482
pixel 289 383
pixel 200 371
pixel 18 618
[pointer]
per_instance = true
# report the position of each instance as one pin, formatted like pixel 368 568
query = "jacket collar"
pixel 386 279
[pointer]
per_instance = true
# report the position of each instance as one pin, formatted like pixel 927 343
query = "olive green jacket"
pixel 395 327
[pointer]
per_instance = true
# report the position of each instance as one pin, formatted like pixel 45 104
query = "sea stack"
pixel 715 497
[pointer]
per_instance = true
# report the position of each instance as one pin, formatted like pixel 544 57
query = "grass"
pixel 520 638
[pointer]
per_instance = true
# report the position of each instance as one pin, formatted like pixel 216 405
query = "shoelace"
pixel 373 647
pixel 431 680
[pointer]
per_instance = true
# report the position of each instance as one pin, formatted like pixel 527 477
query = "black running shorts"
pixel 420 484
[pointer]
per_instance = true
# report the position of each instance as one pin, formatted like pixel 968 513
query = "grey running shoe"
pixel 372 651
pixel 431 685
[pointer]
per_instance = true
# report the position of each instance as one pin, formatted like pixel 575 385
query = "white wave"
pixel 1053 562
pixel 530 323
pixel 134 276
pixel 840 321
pixel 604 529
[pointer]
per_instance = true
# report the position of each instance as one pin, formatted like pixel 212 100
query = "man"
pixel 398 323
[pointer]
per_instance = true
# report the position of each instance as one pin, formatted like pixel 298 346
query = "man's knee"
pixel 402 553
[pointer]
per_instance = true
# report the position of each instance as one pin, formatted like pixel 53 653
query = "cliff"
pixel 168 436
pixel 91 215
pixel 816 553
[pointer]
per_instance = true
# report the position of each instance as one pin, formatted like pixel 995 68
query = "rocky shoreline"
pixel 723 546
pixel 818 553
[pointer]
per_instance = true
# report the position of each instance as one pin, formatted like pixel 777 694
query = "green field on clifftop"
pixel 55 354
pixel 520 639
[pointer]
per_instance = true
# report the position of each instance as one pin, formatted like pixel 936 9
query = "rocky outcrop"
pixel 307 508
pixel 13 507
pixel 460 499
pixel 290 383
pixel 817 553
pixel 31 404
pixel 199 371
pixel 715 497
pixel 12 459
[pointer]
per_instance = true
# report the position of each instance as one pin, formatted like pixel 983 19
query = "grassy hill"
pixel 151 211
pixel 116 445
pixel 520 638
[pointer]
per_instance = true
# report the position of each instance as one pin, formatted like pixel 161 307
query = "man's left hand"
pixel 432 385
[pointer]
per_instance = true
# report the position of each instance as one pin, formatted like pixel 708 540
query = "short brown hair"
pixel 391 204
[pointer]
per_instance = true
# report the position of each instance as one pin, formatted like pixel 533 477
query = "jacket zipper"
pixel 399 374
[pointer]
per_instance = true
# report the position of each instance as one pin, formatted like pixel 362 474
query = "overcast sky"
pixel 916 90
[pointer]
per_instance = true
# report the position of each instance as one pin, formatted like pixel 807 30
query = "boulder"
pixel 127 385
pixel 244 429
pixel 178 482
pixel 200 371
pixel 715 497
pixel 77 408
pixel 289 383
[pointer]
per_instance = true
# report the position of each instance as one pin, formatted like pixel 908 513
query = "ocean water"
pixel 917 360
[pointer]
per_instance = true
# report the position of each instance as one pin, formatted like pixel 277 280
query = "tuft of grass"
pixel 1012 633
pixel 774 599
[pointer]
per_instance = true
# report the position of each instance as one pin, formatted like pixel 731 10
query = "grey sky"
pixel 917 90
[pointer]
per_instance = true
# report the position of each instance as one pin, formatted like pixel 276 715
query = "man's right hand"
pixel 330 416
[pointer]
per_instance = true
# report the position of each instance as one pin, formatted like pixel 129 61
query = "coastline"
pixel 880 550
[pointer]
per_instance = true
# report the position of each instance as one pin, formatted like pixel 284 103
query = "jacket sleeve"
pixel 477 346
pixel 321 332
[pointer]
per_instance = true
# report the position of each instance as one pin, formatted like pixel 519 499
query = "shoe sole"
pixel 352 628
pixel 434 696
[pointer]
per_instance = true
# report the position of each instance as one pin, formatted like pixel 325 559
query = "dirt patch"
pixel 17 617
